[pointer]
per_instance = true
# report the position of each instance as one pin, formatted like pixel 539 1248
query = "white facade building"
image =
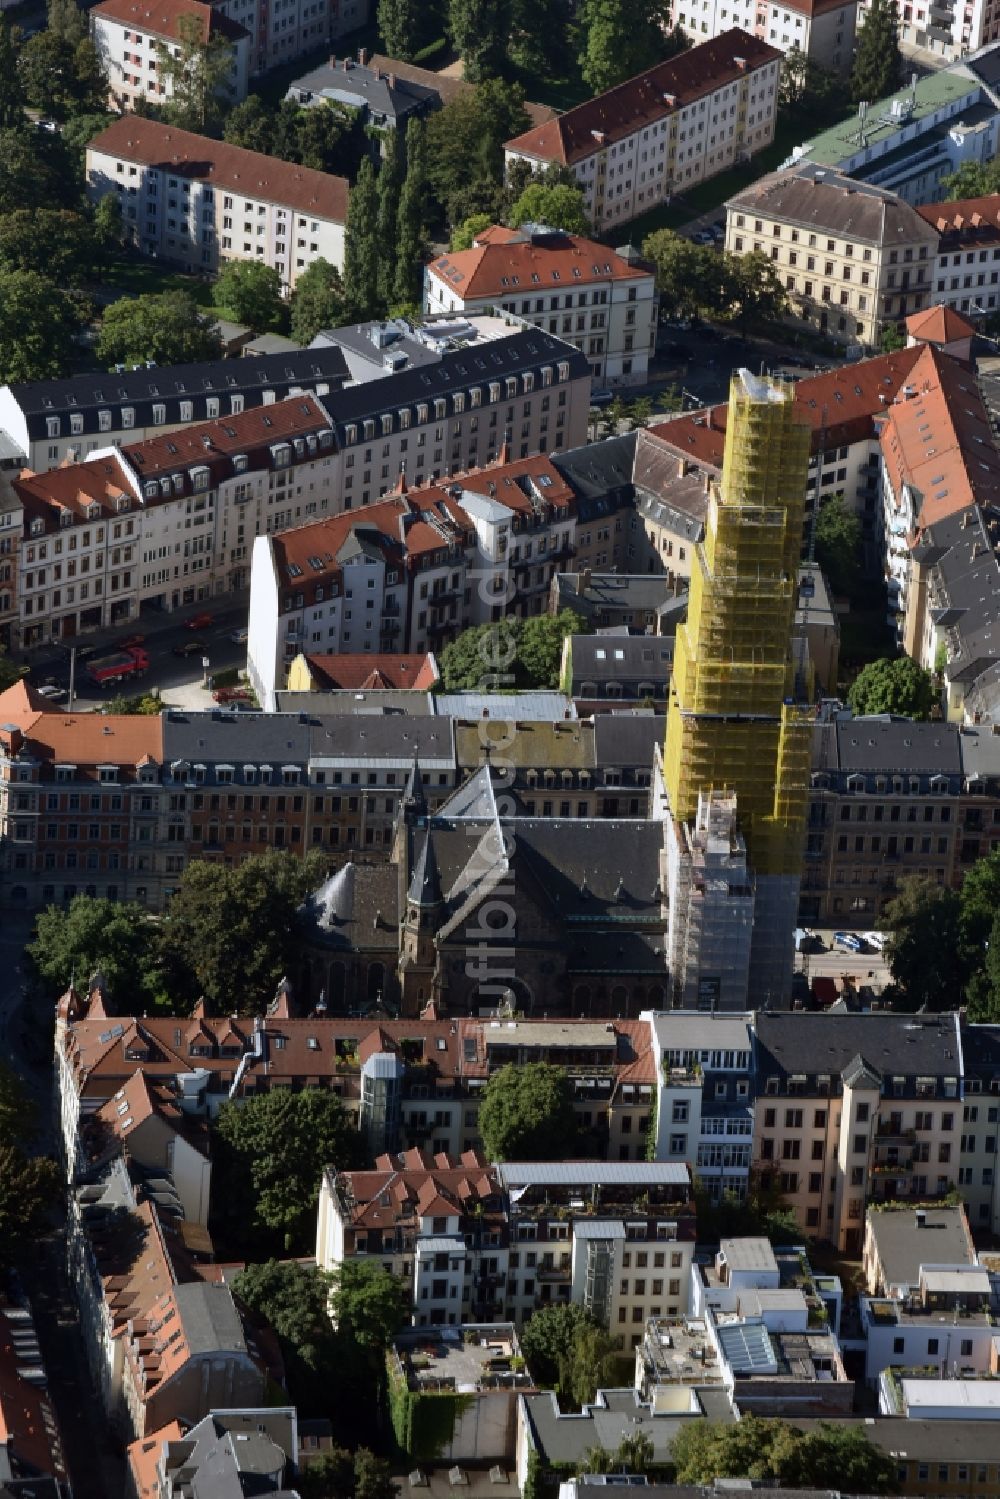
pixel 665 130
pixel 822 30
pixel 130 38
pixel 603 302
pixel 198 203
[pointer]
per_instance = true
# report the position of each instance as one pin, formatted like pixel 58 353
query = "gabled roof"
pixel 163 18
pixel 370 673
pixel 650 96
pixel 251 173
pixel 521 262
pixel 820 198
pixel 939 325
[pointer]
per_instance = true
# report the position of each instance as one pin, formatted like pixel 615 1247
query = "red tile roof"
pixel 370 673
pixel 163 18
pixel 511 263
pixel 259 428
pixel 144 1455
pixel 965 218
pixel 939 325
pixel 641 100
pixel 249 173
pixel 839 405
pixel 29 1434
pixel 437 1187
pixel 73 487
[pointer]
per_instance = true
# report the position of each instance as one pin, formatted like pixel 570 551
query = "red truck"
pixel 105 670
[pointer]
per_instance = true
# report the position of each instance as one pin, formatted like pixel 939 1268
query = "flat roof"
pixel 593 1173
pixel 958 1394
pixel 840 143
pixel 748 1254
pixel 902 1247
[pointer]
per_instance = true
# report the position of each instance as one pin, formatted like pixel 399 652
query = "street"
pixel 161 633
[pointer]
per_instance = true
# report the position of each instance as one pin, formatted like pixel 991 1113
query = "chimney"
pixel 363 56
pixel 333 59
pixel 392 80
pixel 682 467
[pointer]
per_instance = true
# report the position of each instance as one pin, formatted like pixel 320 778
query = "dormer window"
pixel 200 478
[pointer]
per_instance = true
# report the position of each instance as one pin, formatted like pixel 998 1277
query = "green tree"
pixel 164 327
pixel 317 301
pixel 328 1476
pixel 687 275
pixel 372 1476
pixel 251 124
pixel 61 77
pixel 622 38
pixel 479 30
pixel 465 147
pixel 108 222
pixel 635 1453
pixel 411 233
pixel 361 250
pixel 250 292
pixel 11 88
pixel 78 132
pixel 37 170
pixel 838 544
pixel 483 657
pixel 90 82
pixel 293 1299
pixel 540 646
pixel 388 187
pixel 53 242
pixel 877 59
pixel 114 938
pixel 983 989
pixel 894 686
pixel 771 1450
pixel 38 327
pixel 567 1351
pixel 527 1114
pixel 65 20
pixel 926 958
pixel 538 39
pixel 974 179
pixel 753 287
pixel 557 207
pixel 593 1362
pixel 230 934
pixel 198 72
pixel 400 27
pixel 463 236
pixel 369 1305
pixel 893 339
pixel 29 1190
pixel 273 1149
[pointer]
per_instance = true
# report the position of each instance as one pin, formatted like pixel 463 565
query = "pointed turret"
pixel 425 883
pixel 413 795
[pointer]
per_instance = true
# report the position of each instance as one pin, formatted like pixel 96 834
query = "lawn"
pixel 132 277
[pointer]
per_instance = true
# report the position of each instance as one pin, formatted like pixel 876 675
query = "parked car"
pixel 53 692
pixel 199 621
pixel 848 941
pixel 232 695
pixel 190 648
pixel 241 636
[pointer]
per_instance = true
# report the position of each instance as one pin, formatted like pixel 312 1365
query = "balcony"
pixel 553 1274
pixel 886 1132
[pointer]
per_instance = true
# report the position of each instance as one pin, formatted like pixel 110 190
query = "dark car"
pixel 190 648
pixel 199 622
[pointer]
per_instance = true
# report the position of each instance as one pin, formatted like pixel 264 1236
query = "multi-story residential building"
pixel 132 38
pixel 704 1110
pixel 841 1099
pixel 967 267
pixel 914 139
pixel 50 421
pixel 884 805
pixel 979 1173
pixel 665 130
pixel 258 1449
pixel 580 1230
pixel 945 29
pixel 34 1461
pixel 145 1121
pixel 437 1223
pixel 383 99
pixel 822 30
pixel 602 301
pixel 160 1342
pixel 198 203
pixel 327 672
pixel 291 29
pixel 946 1321
pixel 850 256
pixel 900 1240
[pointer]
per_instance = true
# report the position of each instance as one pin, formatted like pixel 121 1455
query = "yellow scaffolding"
pixel 731 725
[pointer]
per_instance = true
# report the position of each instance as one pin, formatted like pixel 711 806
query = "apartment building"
pixel 884 805
pixel 132 39
pixel 198 203
pixel 704 1110
pixel 579 1230
pixel 161 1343
pixel 259 1449
pixel 822 30
pixel 979 1173
pixel 945 1321
pixel 899 1241
pixel 601 301
pixel 436 1223
pixel 678 124
pixel 837 1097
pixel 51 421
pixel 851 257
pixel 945 28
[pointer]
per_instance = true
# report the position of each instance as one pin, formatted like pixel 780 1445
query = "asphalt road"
pixel 52 662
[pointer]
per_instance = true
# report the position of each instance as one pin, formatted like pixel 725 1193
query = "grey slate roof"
pixel 620 658
pixel 600 468
pixel 342 914
pixel 235 738
pixel 897 744
pixel 387 96
pixel 628 738
pixel 821 198
pixel 908 1045
pixel 209 1317
pixel 615 1414
pixel 390 740
pixel 224 378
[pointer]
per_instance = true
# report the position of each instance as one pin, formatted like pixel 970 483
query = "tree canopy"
pixel 117 939
pixel 624 37
pixel 464 234
pixel 464 148
pixel 838 543
pixel 250 292
pixel 945 944
pixel 317 301
pixel 527 1114
pixel 38 327
pixel 877 58
pixel 558 207
pixel 198 74
pixel 293 1300
pixel 229 935
pixel 696 281
pixel 29 1184
pixel 974 179
pixel 164 327
pixel 478 30
pixel 894 686
pixel 369 1306
pixel 273 1149
pixel 328 137
pixel 831 1455
pixel 513 653
pixel 567 1351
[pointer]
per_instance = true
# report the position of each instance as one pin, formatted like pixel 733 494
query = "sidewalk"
pixel 152 625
